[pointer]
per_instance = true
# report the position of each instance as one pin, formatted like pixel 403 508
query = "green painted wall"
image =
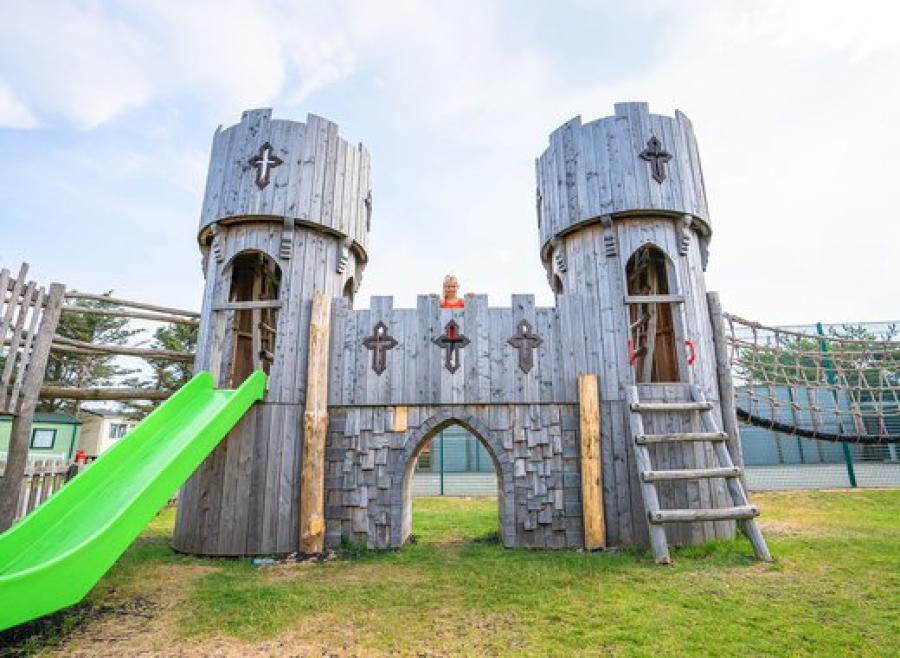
pixel 65 440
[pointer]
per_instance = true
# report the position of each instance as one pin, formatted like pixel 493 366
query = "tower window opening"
pixel 254 277
pixel 349 292
pixel 556 284
pixel 652 326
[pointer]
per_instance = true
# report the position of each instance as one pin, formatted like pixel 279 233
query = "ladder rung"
pixel 718 514
pixel 672 406
pixel 691 474
pixel 644 439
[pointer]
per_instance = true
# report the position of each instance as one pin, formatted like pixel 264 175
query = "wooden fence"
pixel 42 479
pixel 29 318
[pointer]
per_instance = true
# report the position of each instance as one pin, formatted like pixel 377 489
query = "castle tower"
pixel 624 230
pixel 286 213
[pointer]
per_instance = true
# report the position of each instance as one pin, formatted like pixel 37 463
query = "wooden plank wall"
pixel 595 169
pixel 489 372
pixel 244 499
pixel 593 322
pixel 323 179
pixel 312 267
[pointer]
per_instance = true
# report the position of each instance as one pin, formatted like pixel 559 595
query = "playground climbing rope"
pixel 841 385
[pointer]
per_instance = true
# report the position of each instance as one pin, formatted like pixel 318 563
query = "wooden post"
pixel 726 383
pixel 20 433
pixel 315 427
pixel 591 473
pixel 401 422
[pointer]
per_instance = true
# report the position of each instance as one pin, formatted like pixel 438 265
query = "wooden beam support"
pixel 136 315
pixel 99 393
pixel 64 344
pixel 247 306
pixel 315 428
pixel 726 383
pixel 115 301
pixel 654 299
pixel 591 471
pixel 694 515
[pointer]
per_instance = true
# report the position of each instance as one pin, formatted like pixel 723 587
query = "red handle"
pixel 692 352
pixel 631 355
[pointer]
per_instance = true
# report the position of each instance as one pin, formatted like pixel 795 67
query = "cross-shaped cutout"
pixel 265 161
pixel 451 342
pixel 380 342
pixel 657 156
pixel 525 341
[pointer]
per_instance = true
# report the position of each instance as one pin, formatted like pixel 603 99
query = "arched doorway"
pixel 416 444
pixel 255 277
pixel 649 272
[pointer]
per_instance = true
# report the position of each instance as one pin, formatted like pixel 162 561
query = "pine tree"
pixel 167 375
pixel 83 370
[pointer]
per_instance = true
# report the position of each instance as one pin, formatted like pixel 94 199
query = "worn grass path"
pixel 834 590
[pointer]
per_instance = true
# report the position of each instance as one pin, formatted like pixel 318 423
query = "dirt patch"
pixel 786 528
pixel 136 624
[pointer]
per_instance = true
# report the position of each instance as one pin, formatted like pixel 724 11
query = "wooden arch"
pixel 401 496
pixel 650 273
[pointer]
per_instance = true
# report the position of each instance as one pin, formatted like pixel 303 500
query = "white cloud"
pixel 794 105
pixel 89 62
pixel 13 112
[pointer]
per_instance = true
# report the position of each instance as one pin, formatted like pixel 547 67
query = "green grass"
pixel 834 590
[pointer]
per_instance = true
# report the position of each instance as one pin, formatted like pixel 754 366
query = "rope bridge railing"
pixel 840 386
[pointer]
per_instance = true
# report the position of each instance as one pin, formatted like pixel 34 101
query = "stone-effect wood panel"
pixel 534 449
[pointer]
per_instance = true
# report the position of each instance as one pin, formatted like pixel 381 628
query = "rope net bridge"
pixel 843 385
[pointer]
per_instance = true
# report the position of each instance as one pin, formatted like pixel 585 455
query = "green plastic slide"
pixel 54 556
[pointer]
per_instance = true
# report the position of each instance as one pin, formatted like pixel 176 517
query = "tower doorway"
pixel 654 355
pixel 454 516
pixel 254 278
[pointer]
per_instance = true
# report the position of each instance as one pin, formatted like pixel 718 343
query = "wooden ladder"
pixel 742 509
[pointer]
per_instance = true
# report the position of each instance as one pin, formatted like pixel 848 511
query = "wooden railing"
pixel 42 479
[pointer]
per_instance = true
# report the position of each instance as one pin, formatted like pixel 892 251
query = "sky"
pixel 107 111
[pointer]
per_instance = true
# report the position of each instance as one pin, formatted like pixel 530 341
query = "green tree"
pixel 166 375
pixel 79 370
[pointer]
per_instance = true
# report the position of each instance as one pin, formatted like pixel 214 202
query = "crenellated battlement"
pixel 631 163
pixel 277 170
pixel 498 360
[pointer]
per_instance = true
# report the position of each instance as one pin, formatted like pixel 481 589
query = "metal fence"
pixel 456 464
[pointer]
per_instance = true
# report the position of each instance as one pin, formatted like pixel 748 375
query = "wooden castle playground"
pixel 610 417
pixel 624 227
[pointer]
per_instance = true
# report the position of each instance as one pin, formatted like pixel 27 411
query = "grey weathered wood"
pixel 694 515
pixel 690 474
pixel 735 485
pixel 681 436
pixel 246 306
pixel 124 313
pixel 598 204
pixel 654 299
pixel 20 432
pixel 116 301
pixel 671 406
pixel 595 168
pixel 651 501
pixel 723 377
pixel 13 307
pixel 63 344
pixel 103 393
